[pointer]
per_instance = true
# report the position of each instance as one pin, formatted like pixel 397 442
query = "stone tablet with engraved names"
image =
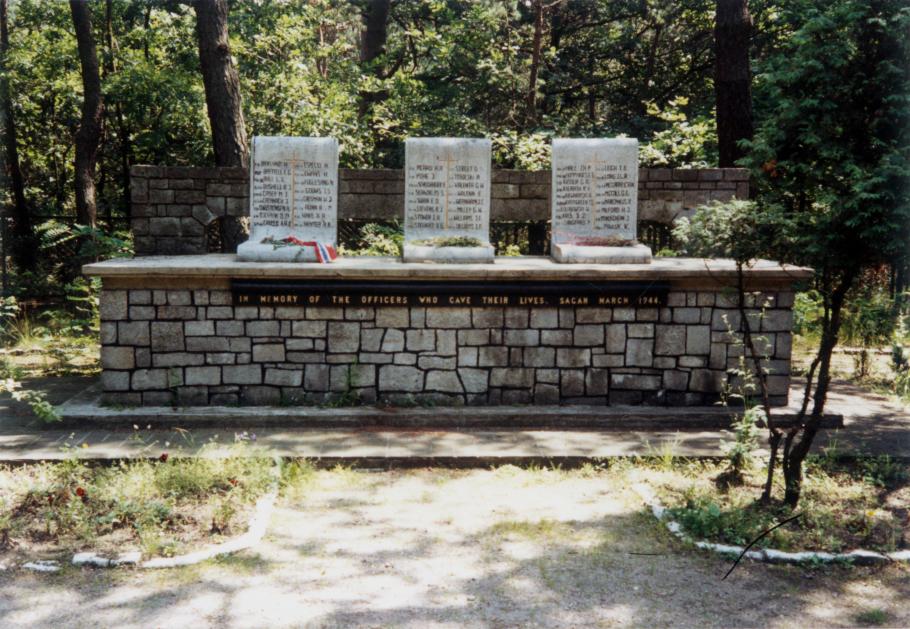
pixel 447 195
pixel 594 201
pixel 293 192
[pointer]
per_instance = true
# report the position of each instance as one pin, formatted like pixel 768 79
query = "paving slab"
pixel 86 410
pixel 872 424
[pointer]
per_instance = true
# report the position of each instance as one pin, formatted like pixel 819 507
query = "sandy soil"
pixel 483 548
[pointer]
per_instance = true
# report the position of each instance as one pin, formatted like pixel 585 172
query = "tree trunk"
pixel 123 129
pixel 222 83
pixel 89 134
pixel 793 458
pixel 23 246
pixel 375 31
pixel 536 44
pixel 222 99
pixel 732 78
pixel 372 45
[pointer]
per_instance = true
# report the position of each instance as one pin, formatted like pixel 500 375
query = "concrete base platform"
pixel 85 410
pixel 259 252
pixel 484 254
pixel 578 254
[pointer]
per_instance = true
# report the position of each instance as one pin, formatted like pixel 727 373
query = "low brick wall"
pixel 189 345
pixel 172 206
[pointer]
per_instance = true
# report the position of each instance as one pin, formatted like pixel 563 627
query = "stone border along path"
pixel 256 529
pixel 767 555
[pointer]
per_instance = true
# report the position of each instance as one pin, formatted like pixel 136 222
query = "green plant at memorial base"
pixel 508 251
pixel 449 241
pixel 605 241
pixel 744 231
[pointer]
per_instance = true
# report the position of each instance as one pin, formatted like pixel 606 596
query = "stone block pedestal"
pixel 449 255
pixel 193 331
pixel 580 254
pixel 261 252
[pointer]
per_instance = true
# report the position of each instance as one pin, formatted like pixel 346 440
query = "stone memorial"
pixel 447 200
pixel 211 330
pixel 293 200
pixel 594 202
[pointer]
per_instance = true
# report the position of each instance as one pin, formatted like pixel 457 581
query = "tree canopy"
pixel 447 67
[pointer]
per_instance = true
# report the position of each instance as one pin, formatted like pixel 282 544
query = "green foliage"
pixel 9 311
pixel 684 143
pixel 831 145
pixel 843 507
pixel 872 617
pixel 36 400
pixel 742 230
pixel 739 453
pixel 901 367
pixel 882 471
pixel 808 311
pixel 450 241
pixel 522 151
pixel 508 251
pixel 870 317
pixel 77 503
pixel 378 240
pixel 448 68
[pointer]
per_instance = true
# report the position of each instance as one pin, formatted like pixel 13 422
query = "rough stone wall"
pixel 171 206
pixel 193 347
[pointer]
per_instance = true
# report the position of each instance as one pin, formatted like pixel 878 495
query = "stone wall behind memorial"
pixel 190 345
pixel 172 207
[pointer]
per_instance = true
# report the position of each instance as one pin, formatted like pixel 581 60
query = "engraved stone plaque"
pixel 594 201
pixel 447 198
pixel 293 198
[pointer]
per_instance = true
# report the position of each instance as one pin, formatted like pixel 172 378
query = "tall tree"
pixel 222 83
pixel 732 78
pixel 23 249
pixel 123 131
pixel 372 45
pixel 89 134
pixel 831 158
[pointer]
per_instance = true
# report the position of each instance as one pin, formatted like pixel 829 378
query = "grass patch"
pixel 541 529
pixel 161 507
pixel 845 504
pixel 872 617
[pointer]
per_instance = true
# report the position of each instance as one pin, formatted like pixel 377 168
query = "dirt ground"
pixel 481 548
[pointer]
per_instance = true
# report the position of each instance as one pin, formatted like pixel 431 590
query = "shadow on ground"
pixel 480 548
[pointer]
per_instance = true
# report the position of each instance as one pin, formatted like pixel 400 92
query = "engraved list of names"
pixel 595 190
pixel 447 188
pixel 293 189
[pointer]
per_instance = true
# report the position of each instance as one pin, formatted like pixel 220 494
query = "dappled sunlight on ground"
pixel 442 548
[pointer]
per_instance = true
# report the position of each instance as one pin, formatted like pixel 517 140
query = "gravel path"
pixel 437 548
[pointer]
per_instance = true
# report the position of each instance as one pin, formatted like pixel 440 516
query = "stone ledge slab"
pixel 86 410
pixel 708 271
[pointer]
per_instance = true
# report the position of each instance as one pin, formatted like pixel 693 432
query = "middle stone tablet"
pixel 447 200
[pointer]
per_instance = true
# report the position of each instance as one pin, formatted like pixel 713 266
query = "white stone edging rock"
pixel 768 555
pixel 256 529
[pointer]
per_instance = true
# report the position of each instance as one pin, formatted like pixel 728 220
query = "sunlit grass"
pixel 841 508
pixel 152 504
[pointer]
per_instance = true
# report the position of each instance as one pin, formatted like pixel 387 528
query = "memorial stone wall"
pixel 198 342
pixel 172 206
